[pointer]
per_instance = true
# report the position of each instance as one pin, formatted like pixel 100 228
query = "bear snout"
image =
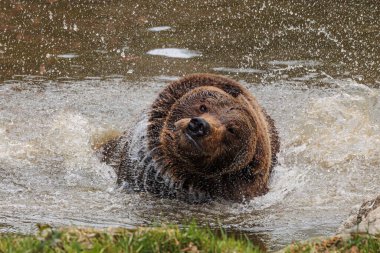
pixel 198 127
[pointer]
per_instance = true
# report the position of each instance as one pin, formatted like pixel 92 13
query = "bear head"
pixel 204 129
pixel 209 132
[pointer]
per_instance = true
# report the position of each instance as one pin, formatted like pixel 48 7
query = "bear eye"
pixel 203 108
pixel 231 130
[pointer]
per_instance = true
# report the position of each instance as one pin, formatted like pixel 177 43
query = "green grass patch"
pixel 167 239
pixel 159 239
pixel 356 243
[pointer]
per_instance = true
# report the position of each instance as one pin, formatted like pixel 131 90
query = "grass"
pixel 167 239
pixel 363 243
pixel 161 239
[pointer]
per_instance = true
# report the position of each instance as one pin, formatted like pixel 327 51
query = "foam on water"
pixel 175 52
pixel 328 162
pixel 159 28
pixel 239 70
pixel 68 139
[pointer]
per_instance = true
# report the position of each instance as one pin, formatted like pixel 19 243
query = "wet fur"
pixel 140 157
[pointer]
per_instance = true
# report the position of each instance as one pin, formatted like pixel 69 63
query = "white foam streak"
pixel 175 52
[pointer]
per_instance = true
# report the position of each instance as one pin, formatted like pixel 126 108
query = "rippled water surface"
pixel 74 71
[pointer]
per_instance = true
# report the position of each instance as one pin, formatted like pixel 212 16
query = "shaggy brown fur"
pixel 205 137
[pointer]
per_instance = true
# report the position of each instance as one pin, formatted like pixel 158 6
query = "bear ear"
pixel 232 90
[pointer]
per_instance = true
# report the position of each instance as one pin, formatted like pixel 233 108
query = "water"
pixel 328 164
pixel 72 73
pixel 175 53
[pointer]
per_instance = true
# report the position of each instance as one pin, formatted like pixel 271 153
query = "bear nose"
pixel 198 127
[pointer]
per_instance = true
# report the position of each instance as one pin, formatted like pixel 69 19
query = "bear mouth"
pixel 193 142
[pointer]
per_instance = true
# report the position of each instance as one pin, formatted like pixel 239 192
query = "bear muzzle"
pixel 198 127
pixel 204 133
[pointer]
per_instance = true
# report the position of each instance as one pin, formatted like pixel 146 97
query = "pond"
pixel 73 71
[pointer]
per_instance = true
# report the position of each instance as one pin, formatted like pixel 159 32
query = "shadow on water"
pixel 71 71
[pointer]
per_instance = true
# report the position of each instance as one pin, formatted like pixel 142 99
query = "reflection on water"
pixel 159 28
pixel 238 70
pixel 71 71
pixel 67 56
pixel 298 63
pixel 174 53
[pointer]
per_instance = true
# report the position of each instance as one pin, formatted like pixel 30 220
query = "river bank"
pixel 168 239
pixel 143 239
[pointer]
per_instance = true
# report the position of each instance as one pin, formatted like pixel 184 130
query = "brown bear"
pixel 205 137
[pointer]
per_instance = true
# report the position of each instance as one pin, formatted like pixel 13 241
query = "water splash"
pixel 340 128
pixel 328 163
pixel 68 140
